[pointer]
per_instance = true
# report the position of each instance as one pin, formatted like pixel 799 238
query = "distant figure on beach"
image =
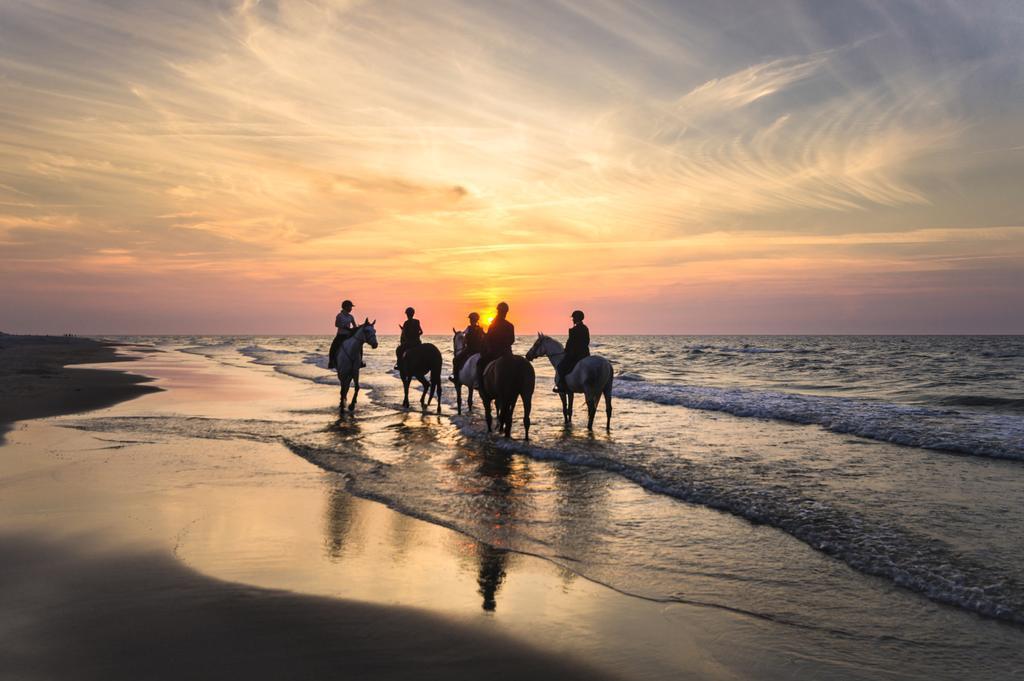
pixel 345 323
pixel 576 348
pixel 500 338
pixel 473 339
pixel 411 332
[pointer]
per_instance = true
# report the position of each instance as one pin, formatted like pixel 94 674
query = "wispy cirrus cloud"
pixel 392 147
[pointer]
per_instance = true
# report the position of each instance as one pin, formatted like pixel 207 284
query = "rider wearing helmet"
pixel 501 335
pixel 411 332
pixel 346 324
pixel 576 348
pixel 473 342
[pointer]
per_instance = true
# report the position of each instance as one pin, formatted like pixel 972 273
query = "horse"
pixel 591 376
pixel 350 358
pixel 415 363
pixel 505 379
pixel 466 376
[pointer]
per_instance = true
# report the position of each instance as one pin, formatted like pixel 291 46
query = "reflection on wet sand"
pixel 499 481
pixel 491 576
pixel 338 523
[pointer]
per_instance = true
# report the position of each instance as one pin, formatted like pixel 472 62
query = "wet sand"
pixel 138 555
pixel 34 380
pixel 73 613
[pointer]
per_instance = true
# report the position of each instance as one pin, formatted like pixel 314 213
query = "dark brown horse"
pixel 417 362
pixel 507 378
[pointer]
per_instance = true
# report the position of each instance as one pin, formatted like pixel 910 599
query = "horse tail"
pixel 435 375
pixel 608 394
pixel 526 388
pixel 529 382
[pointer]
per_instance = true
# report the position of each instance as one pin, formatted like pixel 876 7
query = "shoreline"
pixel 38 381
pixel 84 602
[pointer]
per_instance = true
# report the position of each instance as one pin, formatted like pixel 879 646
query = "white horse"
pixel 467 374
pixel 350 358
pixel 591 376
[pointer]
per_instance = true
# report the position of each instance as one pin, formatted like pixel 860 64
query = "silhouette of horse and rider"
pixel 483 362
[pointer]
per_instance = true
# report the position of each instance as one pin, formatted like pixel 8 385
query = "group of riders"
pixel 494 342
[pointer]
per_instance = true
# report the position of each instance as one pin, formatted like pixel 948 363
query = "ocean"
pixel 865 494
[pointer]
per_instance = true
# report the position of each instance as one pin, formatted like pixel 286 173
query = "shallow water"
pixel 861 494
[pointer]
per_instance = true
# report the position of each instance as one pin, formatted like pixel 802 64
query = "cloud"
pixel 598 144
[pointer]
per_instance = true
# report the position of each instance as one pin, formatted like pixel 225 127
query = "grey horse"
pixel 592 376
pixel 350 358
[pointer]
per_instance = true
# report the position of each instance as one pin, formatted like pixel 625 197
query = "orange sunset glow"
pixel 241 167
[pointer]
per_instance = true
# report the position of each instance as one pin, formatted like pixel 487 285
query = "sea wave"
pixel 977 434
pixel 910 560
pixel 990 401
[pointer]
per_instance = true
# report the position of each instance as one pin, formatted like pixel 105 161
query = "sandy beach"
pixel 34 382
pixel 207 513
pixel 130 556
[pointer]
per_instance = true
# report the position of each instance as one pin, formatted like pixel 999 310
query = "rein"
pixel 553 355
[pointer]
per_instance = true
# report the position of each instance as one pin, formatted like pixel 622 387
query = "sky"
pixel 699 167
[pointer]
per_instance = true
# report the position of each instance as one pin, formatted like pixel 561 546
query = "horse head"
pixel 538 349
pixel 458 340
pixel 369 332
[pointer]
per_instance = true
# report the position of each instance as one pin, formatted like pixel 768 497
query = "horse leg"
pixel 344 393
pixel 591 409
pixel 405 387
pixel 565 408
pixel 458 397
pixel 437 386
pixel 509 412
pixel 355 392
pixel 527 405
pixel 608 404
pixel 425 387
pixel 571 397
pixel 487 412
pixel 469 404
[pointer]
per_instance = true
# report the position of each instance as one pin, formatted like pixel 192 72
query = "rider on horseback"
pixel 346 325
pixel 411 332
pixel 473 342
pixel 501 335
pixel 576 348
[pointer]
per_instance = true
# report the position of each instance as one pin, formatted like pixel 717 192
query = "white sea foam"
pixel 979 434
